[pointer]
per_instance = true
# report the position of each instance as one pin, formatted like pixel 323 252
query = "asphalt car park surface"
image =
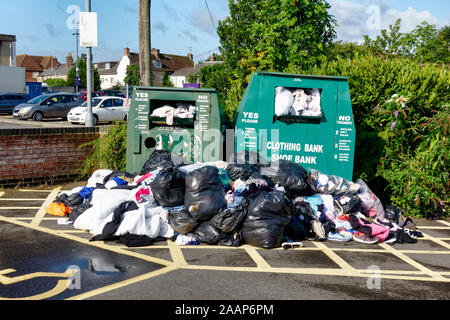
pixel 42 259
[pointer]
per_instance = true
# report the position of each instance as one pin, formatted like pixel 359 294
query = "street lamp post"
pixel 89 117
pixel 77 74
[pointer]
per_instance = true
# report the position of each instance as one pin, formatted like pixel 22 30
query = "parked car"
pixel 9 100
pixel 83 95
pixel 54 105
pixel 112 93
pixel 104 109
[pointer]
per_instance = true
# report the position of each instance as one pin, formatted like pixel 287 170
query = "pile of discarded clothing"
pixel 246 200
pixel 182 111
pixel 297 102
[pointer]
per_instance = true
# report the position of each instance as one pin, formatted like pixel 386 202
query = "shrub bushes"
pixel 109 151
pixel 402 121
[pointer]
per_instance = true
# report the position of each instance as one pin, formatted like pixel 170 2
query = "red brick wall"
pixel 30 156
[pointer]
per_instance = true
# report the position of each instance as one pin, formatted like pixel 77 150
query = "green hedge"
pixel 109 151
pixel 401 112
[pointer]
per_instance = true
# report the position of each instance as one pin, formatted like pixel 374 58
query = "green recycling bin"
pixel 302 118
pixel 186 121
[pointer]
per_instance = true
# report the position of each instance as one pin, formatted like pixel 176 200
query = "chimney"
pixel 155 52
pixel 69 61
pixel 126 51
pixel 213 57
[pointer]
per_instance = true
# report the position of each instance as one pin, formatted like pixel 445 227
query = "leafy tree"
pixel 210 77
pixel 271 35
pixel 346 50
pixel 289 34
pixel 424 44
pixel 132 76
pixel 82 73
pixel 166 81
pixel 56 82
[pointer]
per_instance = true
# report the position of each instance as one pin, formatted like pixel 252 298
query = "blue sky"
pixel 182 26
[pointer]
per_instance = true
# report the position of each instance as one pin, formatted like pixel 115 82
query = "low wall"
pixel 43 155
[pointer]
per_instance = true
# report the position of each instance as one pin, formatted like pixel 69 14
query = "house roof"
pixel 102 70
pixel 190 70
pixel 60 70
pixel 36 63
pixel 170 62
pixel 7 37
pixel 111 71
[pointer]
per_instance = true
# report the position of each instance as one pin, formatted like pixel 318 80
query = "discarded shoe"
pixel 337 236
pixel 347 232
pixel 318 229
pixel 391 238
pixel 289 245
pixel 364 238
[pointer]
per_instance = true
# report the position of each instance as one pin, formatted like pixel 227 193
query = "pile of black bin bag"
pixel 249 200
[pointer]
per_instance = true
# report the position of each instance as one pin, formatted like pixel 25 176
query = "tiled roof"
pixel 190 70
pixel 60 70
pixel 36 63
pixel 111 71
pixel 170 62
pixel 7 37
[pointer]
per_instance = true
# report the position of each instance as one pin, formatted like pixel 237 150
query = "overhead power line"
pixel 209 11
pixel 205 53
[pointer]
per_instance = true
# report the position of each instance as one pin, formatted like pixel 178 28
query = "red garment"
pixel 142 191
pixel 146 176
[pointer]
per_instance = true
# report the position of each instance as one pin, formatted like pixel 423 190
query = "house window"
pixel 158 64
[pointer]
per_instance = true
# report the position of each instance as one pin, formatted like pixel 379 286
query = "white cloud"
pixel 160 26
pixel 201 19
pixel 358 19
pixel 410 18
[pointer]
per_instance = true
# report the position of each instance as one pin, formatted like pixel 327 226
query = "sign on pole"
pixel 88 29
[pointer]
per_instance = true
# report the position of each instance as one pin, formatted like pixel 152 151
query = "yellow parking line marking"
pixel 10 280
pixel 33 190
pixel 41 213
pixel 337 259
pixel 86 241
pixel 424 252
pixel 28 218
pixel 257 258
pixel 1 194
pixel 402 272
pixel 444 222
pixel 19 208
pixel 21 199
pixel 410 261
pixel 433 228
pixel 317 271
pixel 176 253
pixel 436 240
pixel 124 283
pixel 60 287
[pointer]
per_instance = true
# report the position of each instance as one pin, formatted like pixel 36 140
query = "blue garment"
pixel 119 181
pixel 86 192
pixel 314 201
pixel 236 202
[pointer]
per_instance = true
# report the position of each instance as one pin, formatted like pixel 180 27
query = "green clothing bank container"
pixel 302 118
pixel 197 139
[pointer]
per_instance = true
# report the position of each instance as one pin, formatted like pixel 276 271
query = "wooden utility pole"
pixel 145 46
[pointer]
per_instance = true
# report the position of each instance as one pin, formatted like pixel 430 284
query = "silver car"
pixel 54 105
